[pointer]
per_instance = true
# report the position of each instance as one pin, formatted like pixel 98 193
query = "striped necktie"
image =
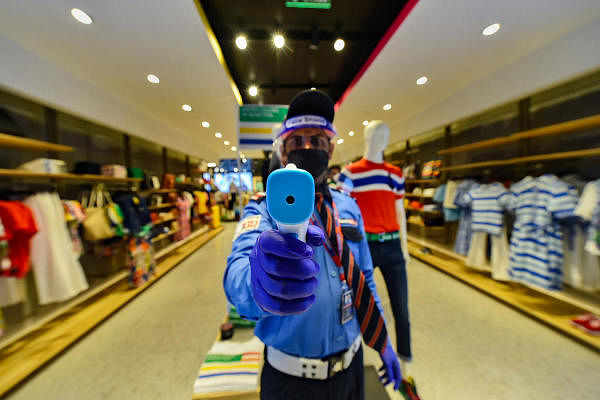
pixel 370 319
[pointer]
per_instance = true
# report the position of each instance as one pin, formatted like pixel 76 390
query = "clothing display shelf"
pixel 549 130
pixel 431 182
pixel 23 174
pixel 417 196
pixel 594 152
pixel 160 206
pixel 164 221
pixel 424 211
pixel 12 141
pixel 164 235
pixel 422 225
pixel 151 191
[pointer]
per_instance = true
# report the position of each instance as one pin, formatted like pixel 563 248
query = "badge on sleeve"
pixel 248 224
pixel 347 306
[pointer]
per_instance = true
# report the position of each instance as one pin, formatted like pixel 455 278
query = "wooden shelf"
pixel 417 196
pixel 164 235
pixel 519 160
pixel 13 141
pixel 19 173
pixel 163 221
pixel 425 212
pixel 417 181
pixel 556 129
pixel 422 225
pixel 158 207
pixel 160 191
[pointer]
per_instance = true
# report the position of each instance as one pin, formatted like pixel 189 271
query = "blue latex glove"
pixel 391 368
pixel 283 272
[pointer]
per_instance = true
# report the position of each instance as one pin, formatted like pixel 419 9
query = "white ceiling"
pixel 99 71
pixel 106 64
pixel 540 43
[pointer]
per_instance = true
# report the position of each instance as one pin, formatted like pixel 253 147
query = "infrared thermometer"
pixel 291 199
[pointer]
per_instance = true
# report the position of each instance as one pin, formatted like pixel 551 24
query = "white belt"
pixel 312 368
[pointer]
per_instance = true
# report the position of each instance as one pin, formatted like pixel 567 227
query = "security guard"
pixel 314 302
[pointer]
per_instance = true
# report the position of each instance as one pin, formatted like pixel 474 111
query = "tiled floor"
pixel 466 345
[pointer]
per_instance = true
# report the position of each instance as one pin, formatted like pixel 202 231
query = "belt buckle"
pixel 334 365
pixel 382 237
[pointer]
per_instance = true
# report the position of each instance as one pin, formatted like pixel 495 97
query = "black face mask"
pixel 311 160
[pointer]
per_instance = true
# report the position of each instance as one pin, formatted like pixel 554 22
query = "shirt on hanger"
pixel 487 203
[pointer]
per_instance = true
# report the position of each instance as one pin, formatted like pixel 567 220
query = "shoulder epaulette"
pixel 258 197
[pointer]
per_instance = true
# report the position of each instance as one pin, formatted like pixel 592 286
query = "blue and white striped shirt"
pixel 487 203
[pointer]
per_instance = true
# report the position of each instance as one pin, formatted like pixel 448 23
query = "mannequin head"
pixel 377 134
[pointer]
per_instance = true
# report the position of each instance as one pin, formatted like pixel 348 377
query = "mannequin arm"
pixel 401 217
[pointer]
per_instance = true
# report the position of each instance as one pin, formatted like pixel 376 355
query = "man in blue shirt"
pixel 313 302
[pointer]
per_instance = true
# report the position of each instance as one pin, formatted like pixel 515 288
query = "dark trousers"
pixel 345 385
pixel 389 258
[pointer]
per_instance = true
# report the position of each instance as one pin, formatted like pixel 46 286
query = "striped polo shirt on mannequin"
pixel 376 187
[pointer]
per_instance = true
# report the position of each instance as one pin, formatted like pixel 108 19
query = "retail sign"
pixel 256 123
pixel 324 4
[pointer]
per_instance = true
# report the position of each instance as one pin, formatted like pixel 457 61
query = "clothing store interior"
pixel 291 199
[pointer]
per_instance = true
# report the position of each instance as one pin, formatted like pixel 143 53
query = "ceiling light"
pixel 491 29
pixel 205 124
pixel 253 90
pixel 351 133
pixel 235 169
pixel 211 165
pixel 387 107
pixel 313 88
pixel 422 80
pixel 365 122
pixel 339 44
pixel 186 107
pixel 81 16
pixel 233 148
pixel 340 141
pixel 152 78
pixel 241 42
pixel 226 142
pixel 218 135
pixel 278 41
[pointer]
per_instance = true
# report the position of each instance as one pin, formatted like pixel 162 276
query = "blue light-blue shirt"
pixel 317 332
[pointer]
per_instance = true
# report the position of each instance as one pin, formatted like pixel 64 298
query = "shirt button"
pixel 332 273
pixel 340 338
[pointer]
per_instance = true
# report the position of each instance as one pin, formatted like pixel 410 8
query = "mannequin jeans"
pixel 389 258
pixel 346 385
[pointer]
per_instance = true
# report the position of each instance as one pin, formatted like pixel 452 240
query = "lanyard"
pixel 337 258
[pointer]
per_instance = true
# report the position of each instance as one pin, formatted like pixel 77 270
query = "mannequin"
pixel 378 188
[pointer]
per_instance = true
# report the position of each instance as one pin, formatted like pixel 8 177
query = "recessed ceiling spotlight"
pixel 422 80
pixel 387 107
pixel 218 135
pixel 313 88
pixel 226 142
pixel 351 133
pixel 186 107
pixel 365 122
pixel 211 165
pixel 81 16
pixel 340 141
pixel 491 29
pixel 253 91
pixel 233 148
pixel 278 40
pixel 205 124
pixel 241 42
pixel 339 44
pixel 152 78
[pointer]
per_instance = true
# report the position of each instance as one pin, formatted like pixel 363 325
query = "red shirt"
pixel 376 187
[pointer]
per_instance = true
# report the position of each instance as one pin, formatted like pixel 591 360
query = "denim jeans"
pixel 389 258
